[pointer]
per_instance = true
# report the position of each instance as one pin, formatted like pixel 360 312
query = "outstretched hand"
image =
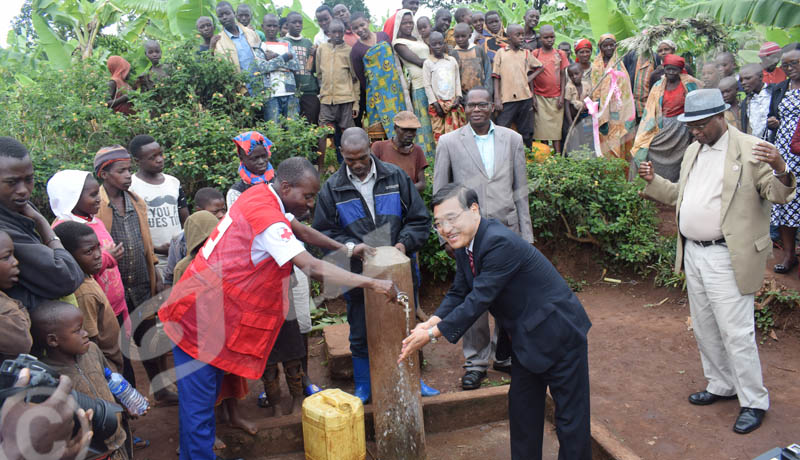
pixel 385 287
pixel 418 339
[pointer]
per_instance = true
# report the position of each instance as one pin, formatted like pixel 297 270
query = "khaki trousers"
pixel 723 324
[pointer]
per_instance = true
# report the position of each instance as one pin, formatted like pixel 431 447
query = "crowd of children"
pixel 314 79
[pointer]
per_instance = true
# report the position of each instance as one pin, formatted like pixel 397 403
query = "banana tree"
pixel 178 17
pixel 780 18
pixel 84 19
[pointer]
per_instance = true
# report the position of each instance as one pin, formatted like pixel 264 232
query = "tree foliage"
pixel 352 5
pixel 63 119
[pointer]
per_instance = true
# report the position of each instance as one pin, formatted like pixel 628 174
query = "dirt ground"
pixel 643 365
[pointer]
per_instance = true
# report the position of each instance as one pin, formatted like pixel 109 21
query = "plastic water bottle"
pixel 125 393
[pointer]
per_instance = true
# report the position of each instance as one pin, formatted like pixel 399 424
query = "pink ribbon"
pixel 595 111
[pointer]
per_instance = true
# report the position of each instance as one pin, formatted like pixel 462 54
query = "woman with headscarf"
pixel 118 86
pixel 578 133
pixel 253 150
pixel 645 66
pixel 75 196
pixel 583 54
pixel 661 138
pixel 617 121
pixel 383 93
pixel 413 52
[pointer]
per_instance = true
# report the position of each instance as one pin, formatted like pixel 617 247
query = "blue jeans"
pixel 198 386
pixel 288 106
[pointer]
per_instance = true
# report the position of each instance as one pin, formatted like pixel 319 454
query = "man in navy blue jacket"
pixel 499 271
pixel 373 202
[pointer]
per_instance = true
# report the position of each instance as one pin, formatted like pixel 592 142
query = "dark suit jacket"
pixel 524 293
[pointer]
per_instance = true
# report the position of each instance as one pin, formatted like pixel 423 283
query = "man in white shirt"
pixel 167 207
pixel 755 109
pixel 324 16
pixel 723 201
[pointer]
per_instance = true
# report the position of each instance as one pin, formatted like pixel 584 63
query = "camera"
pixel 791 452
pixel 43 383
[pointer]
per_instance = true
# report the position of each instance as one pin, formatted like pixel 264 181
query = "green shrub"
pixel 663 265
pixel 63 119
pixel 590 201
pixel 432 258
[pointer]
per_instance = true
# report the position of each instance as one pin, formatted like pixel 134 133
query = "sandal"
pixel 780 268
pixel 139 443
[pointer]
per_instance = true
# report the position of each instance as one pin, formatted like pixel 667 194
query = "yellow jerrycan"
pixel 333 426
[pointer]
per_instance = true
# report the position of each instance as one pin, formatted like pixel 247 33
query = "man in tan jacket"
pixel 236 42
pixel 728 182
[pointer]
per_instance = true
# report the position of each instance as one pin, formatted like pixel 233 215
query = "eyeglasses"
pixel 793 64
pixel 698 127
pixel 449 220
pixel 478 105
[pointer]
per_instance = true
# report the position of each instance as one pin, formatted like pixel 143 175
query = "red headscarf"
pixel 119 69
pixel 583 43
pixel 677 61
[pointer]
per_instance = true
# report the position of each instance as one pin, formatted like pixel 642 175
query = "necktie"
pixel 471 262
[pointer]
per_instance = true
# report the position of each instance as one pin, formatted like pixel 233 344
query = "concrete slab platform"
pixel 480 442
pixel 445 415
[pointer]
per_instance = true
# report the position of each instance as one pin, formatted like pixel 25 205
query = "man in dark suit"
pixel 499 271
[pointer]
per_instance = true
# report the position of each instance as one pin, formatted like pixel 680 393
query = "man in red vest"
pixel 227 309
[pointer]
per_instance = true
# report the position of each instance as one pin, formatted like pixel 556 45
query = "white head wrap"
pixel 64 191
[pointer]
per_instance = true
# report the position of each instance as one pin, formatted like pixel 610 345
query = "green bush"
pixel 432 258
pixel 590 201
pixel 63 119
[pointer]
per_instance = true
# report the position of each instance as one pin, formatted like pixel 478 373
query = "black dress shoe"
pixel 704 398
pixel 748 420
pixel 221 458
pixel 472 380
pixel 502 367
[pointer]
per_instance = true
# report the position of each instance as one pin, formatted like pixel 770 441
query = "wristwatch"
pixel 350 246
pixel 431 336
pixel 54 238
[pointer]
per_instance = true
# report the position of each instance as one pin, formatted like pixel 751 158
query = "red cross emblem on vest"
pixel 286 234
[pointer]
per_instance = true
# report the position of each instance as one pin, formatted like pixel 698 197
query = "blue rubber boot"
pixel 363 389
pixel 425 390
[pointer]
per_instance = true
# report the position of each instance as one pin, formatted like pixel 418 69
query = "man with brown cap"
pixel 401 150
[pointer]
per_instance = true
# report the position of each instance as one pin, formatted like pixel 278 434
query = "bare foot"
pixel 219 444
pixel 238 421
